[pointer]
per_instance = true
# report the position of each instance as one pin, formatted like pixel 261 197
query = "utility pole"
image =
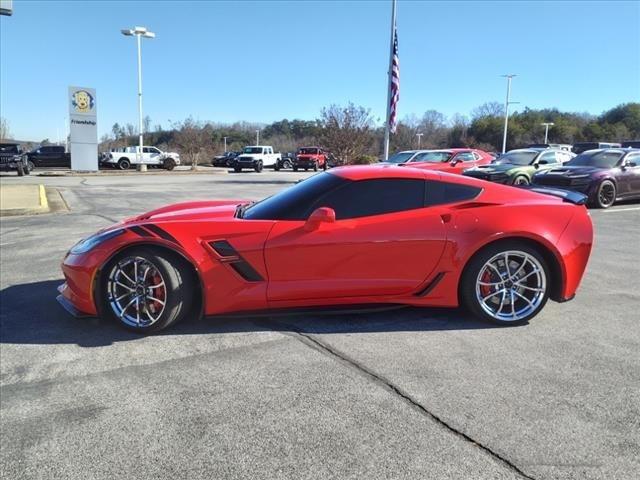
pixel 546 126
pixel 506 110
pixel 225 144
pixel 257 137
pixel 419 135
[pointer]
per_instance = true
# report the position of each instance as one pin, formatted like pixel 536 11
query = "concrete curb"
pixel 120 173
pixel 43 206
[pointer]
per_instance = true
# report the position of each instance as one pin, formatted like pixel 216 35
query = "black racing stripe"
pixel 224 248
pixel 140 231
pixel 161 233
pixel 430 286
pixel 246 271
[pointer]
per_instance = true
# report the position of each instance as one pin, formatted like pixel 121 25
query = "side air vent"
pixel 223 248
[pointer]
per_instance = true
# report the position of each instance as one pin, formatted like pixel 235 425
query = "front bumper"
pixel 305 162
pixel 68 305
pixel 502 179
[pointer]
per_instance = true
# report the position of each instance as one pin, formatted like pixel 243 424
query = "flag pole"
pixel 387 126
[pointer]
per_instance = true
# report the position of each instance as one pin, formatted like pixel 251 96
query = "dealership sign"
pixel 83 129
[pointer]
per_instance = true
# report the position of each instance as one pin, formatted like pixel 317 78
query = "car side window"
pixel 465 157
pixel 365 198
pixel 633 158
pixel 548 157
pixel 438 193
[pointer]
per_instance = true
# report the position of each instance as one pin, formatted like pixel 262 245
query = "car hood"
pixel 570 172
pixel 496 168
pixel 187 211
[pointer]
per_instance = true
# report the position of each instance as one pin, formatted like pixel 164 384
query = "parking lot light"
pixel 139 32
pixel 419 135
pixel 506 110
pixel 258 137
pixel 546 126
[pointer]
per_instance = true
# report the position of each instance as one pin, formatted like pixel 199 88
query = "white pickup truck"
pixel 256 157
pixel 124 157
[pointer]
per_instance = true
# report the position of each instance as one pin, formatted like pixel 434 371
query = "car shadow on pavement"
pixel 30 314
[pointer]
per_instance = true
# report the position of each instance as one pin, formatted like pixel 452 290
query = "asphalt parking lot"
pixel 412 393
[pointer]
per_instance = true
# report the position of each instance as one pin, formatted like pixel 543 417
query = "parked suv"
pixel 257 157
pixel 13 158
pixel 49 156
pixel 310 157
pixel 584 146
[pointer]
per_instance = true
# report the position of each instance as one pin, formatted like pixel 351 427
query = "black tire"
pixel 295 169
pixel 179 283
pixel 20 170
pixel 306 169
pixel 237 169
pixel 124 164
pixel 286 164
pixel 324 166
pixel 606 194
pixel 521 180
pixel 258 167
pixel 315 166
pixel 468 281
pixel 169 164
pixel 30 166
pixel 276 167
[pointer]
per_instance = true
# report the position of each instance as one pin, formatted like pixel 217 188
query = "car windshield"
pixel 400 157
pixel 9 148
pixel 599 160
pixel 252 150
pixel 517 158
pixel 293 202
pixel 434 157
pixel 308 151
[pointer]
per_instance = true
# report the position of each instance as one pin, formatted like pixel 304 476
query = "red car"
pixel 352 236
pixel 310 158
pixel 450 160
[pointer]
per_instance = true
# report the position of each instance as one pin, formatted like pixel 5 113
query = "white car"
pixel 124 157
pixel 256 157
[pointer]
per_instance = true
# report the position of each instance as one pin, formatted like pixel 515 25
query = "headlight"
pixel 580 176
pixel 89 243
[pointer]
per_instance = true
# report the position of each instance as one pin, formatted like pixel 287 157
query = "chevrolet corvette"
pixel 352 236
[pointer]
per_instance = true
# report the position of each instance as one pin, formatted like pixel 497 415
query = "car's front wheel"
pixel 606 194
pixel 169 164
pixel 520 180
pixel 258 167
pixel 507 283
pixel 124 164
pixel 146 290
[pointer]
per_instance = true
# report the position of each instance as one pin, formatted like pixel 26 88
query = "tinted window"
pixel 295 203
pixel 374 197
pixel 518 157
pixel 442 192
pixel 598 159
pixel 400 157
pixel 432 157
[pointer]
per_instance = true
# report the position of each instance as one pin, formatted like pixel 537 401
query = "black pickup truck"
pixel 49 156
pixel 13 158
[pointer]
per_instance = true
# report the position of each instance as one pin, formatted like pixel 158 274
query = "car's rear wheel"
pixel 276 167
pixel 315 166
pixel 606 194
pixel 286 164
pixel 521 180
pixel 507 283
pixel 169 164
pixel 146 290
pixel 124 164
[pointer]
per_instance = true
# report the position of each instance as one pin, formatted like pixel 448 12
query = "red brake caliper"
pixel 158 293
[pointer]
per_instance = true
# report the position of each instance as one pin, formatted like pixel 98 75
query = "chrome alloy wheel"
pixel 511 285
pixel 136 291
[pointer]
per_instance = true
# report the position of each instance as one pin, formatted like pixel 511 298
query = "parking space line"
pixel 622 210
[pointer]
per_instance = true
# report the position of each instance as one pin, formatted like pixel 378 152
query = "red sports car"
pixel 450 160
pixel 351 236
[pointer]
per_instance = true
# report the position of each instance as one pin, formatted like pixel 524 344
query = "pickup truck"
pixel 49 156
pixel 257 157
pixel 124 157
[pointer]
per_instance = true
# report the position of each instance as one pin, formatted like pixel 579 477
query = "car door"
pixel 383 242
pixel 546 161
pixel 461 162
pixel 152 155
pixel 629 176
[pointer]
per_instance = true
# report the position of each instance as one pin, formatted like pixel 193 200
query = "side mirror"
pixel 454 162
pixel 629 163
pixel 542 162
pixel 318 217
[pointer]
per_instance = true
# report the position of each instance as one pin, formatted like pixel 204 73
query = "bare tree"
pixel 130 129
pixel 193 140
pixel 4 129
pixel 146 124
pixel 346 131
pixel 488 109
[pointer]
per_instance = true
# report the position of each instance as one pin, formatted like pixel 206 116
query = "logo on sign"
pixel 82 101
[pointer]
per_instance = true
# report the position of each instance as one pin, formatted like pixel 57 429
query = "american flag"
pixel 395 84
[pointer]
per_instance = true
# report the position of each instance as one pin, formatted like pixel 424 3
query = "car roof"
pixel 363 172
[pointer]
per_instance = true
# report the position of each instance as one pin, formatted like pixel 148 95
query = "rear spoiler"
pixel 568 196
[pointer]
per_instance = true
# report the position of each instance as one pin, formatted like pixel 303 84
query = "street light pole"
pixel 419 135
pixel 225 144
pixel 506 111
pixel 257 137
pixel 139 32
pixel 546 126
